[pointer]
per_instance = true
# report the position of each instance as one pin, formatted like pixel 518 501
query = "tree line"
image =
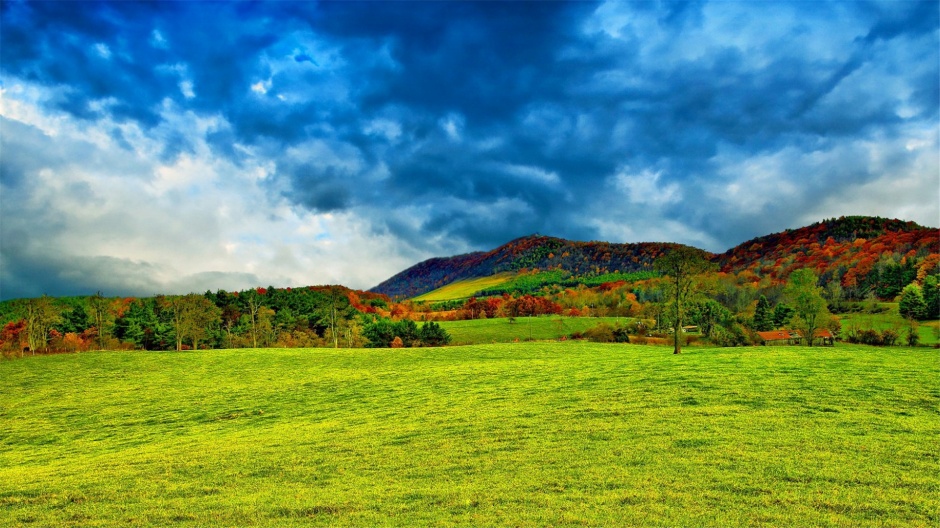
pixel 319 316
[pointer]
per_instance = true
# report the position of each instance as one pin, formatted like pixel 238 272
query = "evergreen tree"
pixel 782 315
pixel 763 316
pixel 932 296
pixel 912 303
pixel 380 333
pixel 432 334
pixel 407 330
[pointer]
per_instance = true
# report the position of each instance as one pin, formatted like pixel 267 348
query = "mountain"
pixel 863 253
pixel 530 252
pixel 857 250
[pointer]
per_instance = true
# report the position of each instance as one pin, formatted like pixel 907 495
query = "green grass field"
pixel 465 289
pixel 528 434
pixel 929 331
pixel 500 330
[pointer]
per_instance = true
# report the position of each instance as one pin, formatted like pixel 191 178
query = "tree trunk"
pixel 678 329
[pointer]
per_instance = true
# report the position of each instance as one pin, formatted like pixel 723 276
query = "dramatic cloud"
pixel 184 146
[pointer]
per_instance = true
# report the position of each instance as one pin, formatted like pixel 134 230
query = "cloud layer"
pixel 185 146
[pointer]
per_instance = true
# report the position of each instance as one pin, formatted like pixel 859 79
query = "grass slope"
pixel 500 330
pixel 530 434
pixel 929 331
pixel 464 289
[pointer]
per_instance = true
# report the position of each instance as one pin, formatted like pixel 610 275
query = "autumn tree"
pixel 253 304
pixel 40 314
pixel 806 298
pixel 101 316
pixel 193 316
pixel 682 267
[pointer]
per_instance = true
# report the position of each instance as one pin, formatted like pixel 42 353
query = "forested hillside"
pixel 527 253
pixel 850 260
pixel 864 255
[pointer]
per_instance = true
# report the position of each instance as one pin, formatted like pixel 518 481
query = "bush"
pixel 433 334
pixel 621 335
pixel 602 333
pixel 868 336
pixel 889 337
pixel 729 336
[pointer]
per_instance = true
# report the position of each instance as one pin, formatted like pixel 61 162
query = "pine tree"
pixel 932 296
pixel 912 303
pixel 763 316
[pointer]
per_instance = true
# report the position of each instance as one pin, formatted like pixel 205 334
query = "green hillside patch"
pixel 929 331
pixel 466 288
pixel 502 330
pixel 530 434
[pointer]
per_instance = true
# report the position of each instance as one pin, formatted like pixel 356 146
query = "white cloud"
pixel 453 125
pixel 197 222
pixel 644 188
pixel 531 173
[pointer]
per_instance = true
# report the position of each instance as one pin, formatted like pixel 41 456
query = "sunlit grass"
pixel 504 330
pixel 529 434
pixel 929 331
pixel 466 288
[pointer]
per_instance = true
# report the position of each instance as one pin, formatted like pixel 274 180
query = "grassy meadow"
pixel 929 331
pixel 464 289
pixel 501 330
pixel 524 434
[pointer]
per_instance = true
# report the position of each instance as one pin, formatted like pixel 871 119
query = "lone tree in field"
pixel 682 267
pixel 809 306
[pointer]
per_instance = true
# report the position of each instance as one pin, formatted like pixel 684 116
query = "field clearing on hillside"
pixel 466 288
pixel 500 330
pixel 529 434
pixel 929 331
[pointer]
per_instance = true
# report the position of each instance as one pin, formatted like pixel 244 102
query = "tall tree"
pixel 193 315
pixel 102 317
pixel 40 315
pixel 809 306
pixel 682 267
pixel 763 315
pixel 253 303
pixel 912 305
pixel 932 296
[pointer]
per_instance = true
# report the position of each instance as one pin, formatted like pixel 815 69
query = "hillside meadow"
pixel 523 434
pixel 504 330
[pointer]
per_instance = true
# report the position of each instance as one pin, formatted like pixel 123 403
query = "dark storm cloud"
pixel 460 125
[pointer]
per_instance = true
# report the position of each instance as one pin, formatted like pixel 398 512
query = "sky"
pixel 181 147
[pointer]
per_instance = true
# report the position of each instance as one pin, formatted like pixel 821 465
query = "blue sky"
pixel 183 146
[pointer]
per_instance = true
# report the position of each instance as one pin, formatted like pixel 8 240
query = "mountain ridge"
pixel 831 246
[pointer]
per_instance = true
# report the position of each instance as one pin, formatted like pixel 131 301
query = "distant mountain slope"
pixel 861 252
pixel 534 251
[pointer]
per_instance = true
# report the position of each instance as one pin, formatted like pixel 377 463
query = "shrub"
pixel 868 336
pixel 889 337
pixel 621 335
pixel 433 334
pixel 731 335
pixel 602 333
pixel 397 342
